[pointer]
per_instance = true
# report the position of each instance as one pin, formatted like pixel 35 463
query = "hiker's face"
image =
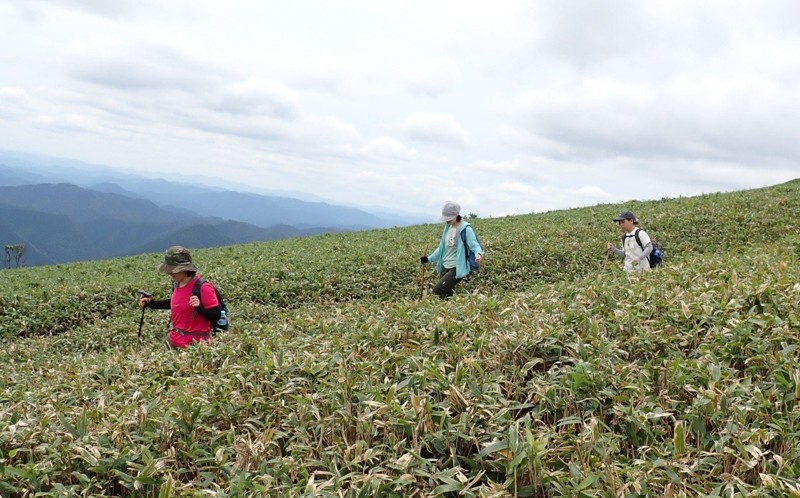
pixel 626 225
pixel 179 277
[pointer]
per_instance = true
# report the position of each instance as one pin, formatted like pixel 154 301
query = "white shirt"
pixel 633 252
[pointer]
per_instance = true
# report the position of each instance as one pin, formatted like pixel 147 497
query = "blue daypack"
pixel 656 256
pixel 473 265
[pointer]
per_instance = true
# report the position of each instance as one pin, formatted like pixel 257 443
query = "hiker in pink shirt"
pixel 190 320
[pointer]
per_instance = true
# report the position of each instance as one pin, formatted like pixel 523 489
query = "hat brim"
pixel 169 269
pixel 448 218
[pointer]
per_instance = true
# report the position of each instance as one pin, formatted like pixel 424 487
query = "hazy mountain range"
pixel 64 210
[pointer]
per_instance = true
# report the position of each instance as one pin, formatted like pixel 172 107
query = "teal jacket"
pixel 462 266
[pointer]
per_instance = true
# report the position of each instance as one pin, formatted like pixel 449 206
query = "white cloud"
pixel 11 93
pixel 13 102
pixel 70 122
pixel 330 74
pixel 113 9
pixel 135 65
pixel 257 96
pixel 528 170
pixel 326 130
pixel 715 119
pixel 592 192
pixel 434 127
pixel 431 77
pixel 389 147
pixel 528 106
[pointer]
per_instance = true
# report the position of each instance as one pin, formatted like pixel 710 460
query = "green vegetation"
pixel 552 373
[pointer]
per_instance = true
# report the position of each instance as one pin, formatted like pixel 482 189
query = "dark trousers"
pixel 447 282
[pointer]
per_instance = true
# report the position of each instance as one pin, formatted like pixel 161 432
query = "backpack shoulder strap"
pixel 197 286
pixel 464 240
pixel 464 233
pixel 638 241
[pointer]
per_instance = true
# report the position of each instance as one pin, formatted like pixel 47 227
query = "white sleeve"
pixel 647 245
pixel 644 238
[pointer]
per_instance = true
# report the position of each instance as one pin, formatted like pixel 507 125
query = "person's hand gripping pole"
pixel 144 298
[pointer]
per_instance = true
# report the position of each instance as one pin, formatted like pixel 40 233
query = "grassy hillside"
pixel 552 373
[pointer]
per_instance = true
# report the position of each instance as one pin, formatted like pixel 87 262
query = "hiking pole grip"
pixel 424 258
pixel 141 320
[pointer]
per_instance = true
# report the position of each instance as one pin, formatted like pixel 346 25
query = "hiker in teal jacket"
pixel 451 255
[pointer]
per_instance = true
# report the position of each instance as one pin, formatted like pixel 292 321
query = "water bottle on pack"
pixel 223 320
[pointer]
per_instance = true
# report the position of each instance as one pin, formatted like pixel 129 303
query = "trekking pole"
pixel 422 289
pixel 141 320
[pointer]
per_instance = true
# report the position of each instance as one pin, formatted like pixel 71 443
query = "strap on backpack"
pixel 636 236
pixel 464 240
pixel 638 241
pixel 196 292
pixel 196 289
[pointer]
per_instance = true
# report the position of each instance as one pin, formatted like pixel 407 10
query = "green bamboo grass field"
pixel 552 373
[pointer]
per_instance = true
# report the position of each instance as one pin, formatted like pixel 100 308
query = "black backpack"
pixel 222 324
pixel 656 256
pixel 473 265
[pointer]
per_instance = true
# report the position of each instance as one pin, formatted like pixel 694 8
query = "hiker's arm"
pixel 474 245
pixel 616 251
pixel 645 252
pixel 435 255
pixel 212 314
pixel 212 310
pixel 162 304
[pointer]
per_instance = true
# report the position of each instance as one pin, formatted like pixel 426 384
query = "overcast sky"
pixel 507 107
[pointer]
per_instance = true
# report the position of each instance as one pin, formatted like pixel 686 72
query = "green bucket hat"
pixel 177 259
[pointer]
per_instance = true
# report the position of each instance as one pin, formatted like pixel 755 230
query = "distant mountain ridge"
pixel 18 168
pixel 48 238
pixel 60 223
pixel 104 214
